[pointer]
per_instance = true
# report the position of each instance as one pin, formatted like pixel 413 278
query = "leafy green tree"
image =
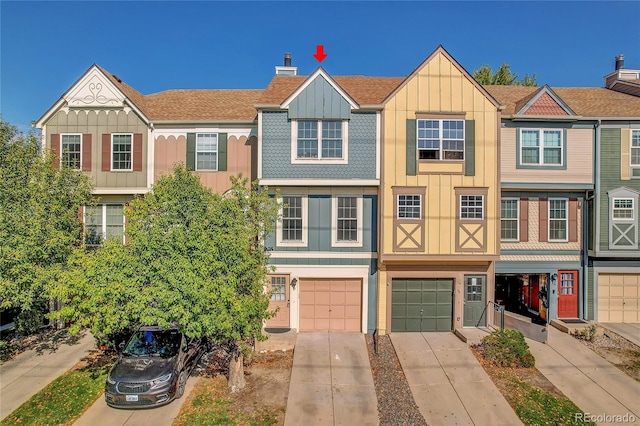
pixel 193 259
pixel 39 223
pixel 503 76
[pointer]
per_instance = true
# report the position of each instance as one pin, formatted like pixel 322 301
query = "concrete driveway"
pixel 331 381
pixel 631 332
pixel 448 383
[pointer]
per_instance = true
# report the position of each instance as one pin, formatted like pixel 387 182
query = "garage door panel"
pixel 337 298
pixel 618 298
pixel 421 305
pixel 353 298
pixel 330 304
pixel 321 285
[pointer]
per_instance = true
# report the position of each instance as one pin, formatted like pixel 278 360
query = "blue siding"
pixel 319 100
pixel 276 150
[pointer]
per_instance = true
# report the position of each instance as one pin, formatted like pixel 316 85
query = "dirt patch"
pixel 614 348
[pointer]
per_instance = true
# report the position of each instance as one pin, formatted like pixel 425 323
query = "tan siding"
pixel 625 154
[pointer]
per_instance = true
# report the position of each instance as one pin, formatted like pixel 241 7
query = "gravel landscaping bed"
pixel 395 402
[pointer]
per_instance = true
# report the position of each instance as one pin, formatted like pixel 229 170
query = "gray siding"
pixel 319 100
pixel 276 150
pixel 372 301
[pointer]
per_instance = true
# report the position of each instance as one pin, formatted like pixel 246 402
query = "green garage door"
pixel 421 305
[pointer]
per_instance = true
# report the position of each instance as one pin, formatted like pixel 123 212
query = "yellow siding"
pixel 625 154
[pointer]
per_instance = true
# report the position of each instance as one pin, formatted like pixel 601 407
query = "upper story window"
pixel 440 139
pixel 541 147
pixel 623 209
pixel 207 151
pixel 103 221
pixel 71 150
pixel 509 220
pixel 292 228
pixel 472 207
pixel 121 151
pixel 635 151
pixel 409 206
pixel 320 140
pixel 558 220
pixel 346 220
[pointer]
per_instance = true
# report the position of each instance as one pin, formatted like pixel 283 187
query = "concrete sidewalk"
pixel 29 372
pixel 587 379
pixel 448 383
pixel 331 381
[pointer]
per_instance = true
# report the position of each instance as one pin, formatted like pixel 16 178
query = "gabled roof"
pixel 132 94
pixel 543 101
pixel 584 101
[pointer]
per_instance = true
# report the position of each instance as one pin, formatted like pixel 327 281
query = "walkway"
pixel 587 379
pixel 331 381
pixel 448 383
pixel 631 332
pixel 29 372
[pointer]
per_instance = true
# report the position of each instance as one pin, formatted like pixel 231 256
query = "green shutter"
pixel 191 151
pixel 222 152
pixel 411 148
pixel 469 148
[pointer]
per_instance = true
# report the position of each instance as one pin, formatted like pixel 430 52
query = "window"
pixel 121 151
pixel 635 150
pixel 541 147
pixel 206 151
pixel 103 221
pixel 292 219
pixel 320 139
pixel 558 220
pixel 441 139
pixel 623 208
pixel 471 207
pixel 474 289
pixel 278 288
pixel 509 220
pixel 347 226
pixel 71 152
pixel 409 206
pixel 566 283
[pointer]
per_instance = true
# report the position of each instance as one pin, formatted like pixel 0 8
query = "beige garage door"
pixel 618 298
pixel 330 304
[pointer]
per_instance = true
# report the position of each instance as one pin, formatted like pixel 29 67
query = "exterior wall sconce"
pixel 294 282
pixel 554 277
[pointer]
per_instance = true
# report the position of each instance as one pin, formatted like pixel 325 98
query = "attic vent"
pixel 117 78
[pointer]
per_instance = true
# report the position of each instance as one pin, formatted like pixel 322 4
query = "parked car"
pixel 153 368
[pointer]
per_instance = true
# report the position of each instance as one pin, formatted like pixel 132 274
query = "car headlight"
pixel 110 380
pixel 161 380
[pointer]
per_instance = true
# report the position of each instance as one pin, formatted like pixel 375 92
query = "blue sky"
pixel 156 46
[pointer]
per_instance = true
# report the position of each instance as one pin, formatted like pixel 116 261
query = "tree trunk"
pixel 236 372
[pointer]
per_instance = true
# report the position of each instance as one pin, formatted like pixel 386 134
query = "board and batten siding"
pixel 276 150
pixel 439 87
pixel 98 123
pixel 172 150
pixel 319 100
pixel 579 160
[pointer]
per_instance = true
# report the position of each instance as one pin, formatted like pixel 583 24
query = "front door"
pixel 474 301
pixel 279 300
pixel 567 294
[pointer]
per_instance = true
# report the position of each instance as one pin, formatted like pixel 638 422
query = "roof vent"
pixel 117 78
pixel 287 69
pixel 619 62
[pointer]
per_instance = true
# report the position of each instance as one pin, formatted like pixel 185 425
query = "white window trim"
pixel 441 139
pixel 334 221
pixel 62 151
pixel 130 169
pixel 103 213
pixel 319 160
pixel 471 218
pixel 217 151
pixel 517 219
pixel 622 219
pixel 305 223
pixel 566 220
pixel 541 148
pixel 398 207
pixel 631 148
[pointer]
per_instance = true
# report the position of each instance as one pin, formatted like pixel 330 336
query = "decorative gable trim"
pixel 543 94
pixel 320 72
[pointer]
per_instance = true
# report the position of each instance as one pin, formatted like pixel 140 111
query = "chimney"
pixel 619 62
pixel 287 69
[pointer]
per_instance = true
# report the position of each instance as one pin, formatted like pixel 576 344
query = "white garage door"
pixel 330 304
pixel 619 298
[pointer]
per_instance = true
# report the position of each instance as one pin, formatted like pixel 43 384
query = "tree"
pixel 39 223
pixel 503 76
pixel 193 259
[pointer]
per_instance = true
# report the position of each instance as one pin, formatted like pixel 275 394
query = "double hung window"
pixel 440 139
pixel 472 207
pixel 292 218
pixel 509 220
pixel 70 150
pixel 409 206
pixel 207 151
pixel 320 139
pixel 103 221
pixel 121 151
pixel 558 220
pixel 635 153
pixel 541 147
pixel 623 208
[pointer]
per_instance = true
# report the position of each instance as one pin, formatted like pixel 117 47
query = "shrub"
pixel 6 350
pixel 507 348
pixel 587 333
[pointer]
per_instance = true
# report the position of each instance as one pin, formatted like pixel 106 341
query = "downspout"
pixel 595 198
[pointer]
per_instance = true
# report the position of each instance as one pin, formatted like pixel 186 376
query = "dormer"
pixel 543 102
pixel 623 80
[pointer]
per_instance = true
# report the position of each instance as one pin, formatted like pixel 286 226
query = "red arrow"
pixel 320 55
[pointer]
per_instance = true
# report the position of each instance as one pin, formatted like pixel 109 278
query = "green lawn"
pixel 62 401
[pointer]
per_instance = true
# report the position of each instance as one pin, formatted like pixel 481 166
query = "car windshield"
pixel 162 343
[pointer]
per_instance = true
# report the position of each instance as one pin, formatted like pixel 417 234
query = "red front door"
pixel 567 294
pixel 279 300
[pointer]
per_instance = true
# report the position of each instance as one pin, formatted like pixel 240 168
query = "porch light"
pixel 293 283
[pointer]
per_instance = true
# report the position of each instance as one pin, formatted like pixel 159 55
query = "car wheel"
pixel 182 382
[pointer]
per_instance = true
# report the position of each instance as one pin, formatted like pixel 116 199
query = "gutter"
pixel 192 122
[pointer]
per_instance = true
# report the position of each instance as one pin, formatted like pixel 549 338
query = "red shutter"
pixel 137 152
pixel 86 152
pixel 573 220
pixel 544 220
pixel 106 152
pixel 524 220
pixel 55 149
